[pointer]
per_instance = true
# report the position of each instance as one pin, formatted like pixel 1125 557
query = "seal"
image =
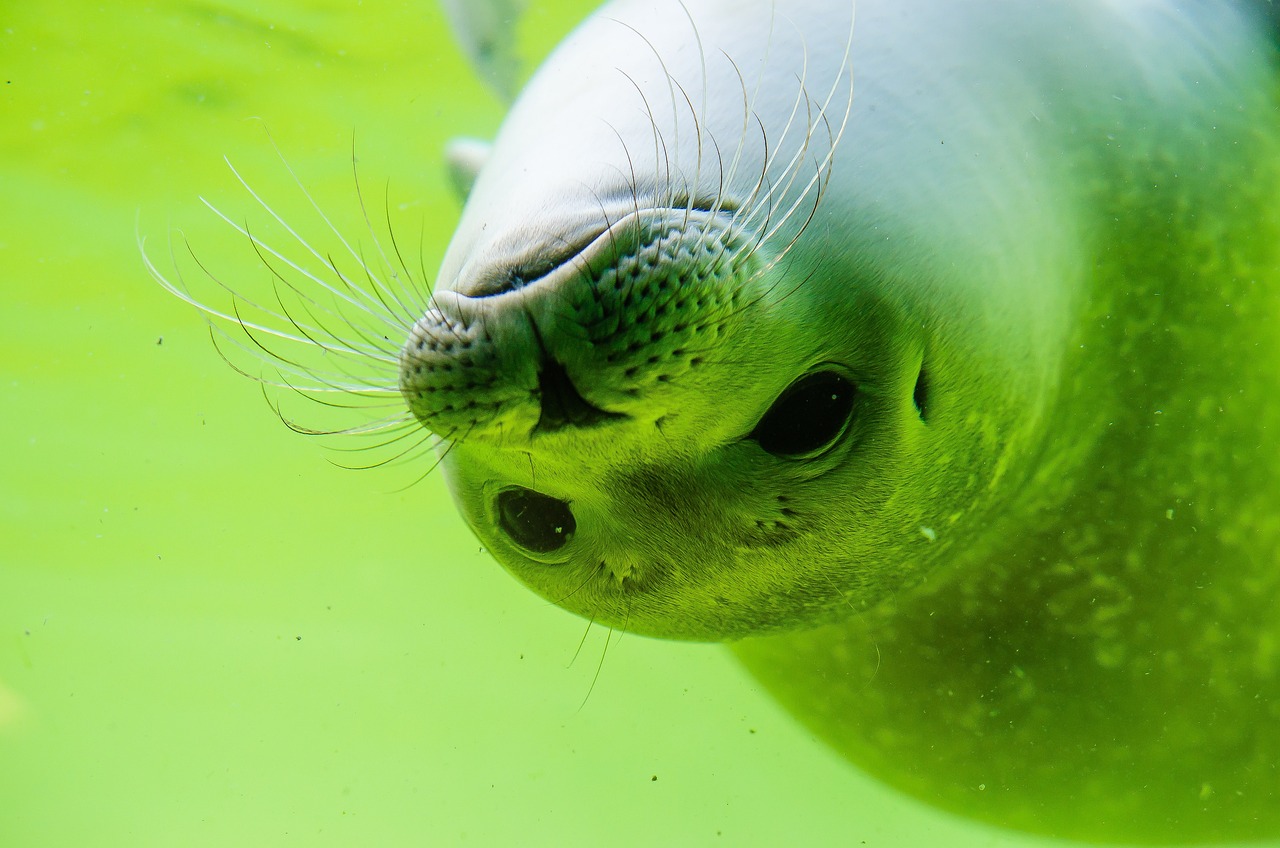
pixel 941 360
pixel 933 360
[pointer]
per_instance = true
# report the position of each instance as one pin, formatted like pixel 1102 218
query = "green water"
pixel 209 635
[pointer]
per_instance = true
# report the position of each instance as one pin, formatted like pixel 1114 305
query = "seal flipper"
pixel 1268 12
pixel 486 32
pixel 464 158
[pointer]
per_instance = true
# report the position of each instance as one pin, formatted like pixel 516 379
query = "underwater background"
pixel 209 634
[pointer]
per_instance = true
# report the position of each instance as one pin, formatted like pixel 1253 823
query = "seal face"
pixel 579 360
pixel 700 377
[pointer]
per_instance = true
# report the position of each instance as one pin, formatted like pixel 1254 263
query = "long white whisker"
pixel 822 169
pixel 368 299
pixel 360 300
pixel 179 290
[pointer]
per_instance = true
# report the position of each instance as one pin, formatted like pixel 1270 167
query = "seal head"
pixel 680 394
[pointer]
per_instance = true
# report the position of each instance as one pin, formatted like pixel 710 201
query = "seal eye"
pixel 534 521
pixel 807 416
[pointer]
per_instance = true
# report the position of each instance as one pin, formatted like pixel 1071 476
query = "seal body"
pixel 932 354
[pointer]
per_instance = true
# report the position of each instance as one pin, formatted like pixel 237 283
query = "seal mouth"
pixel 618 232
pixel 540 264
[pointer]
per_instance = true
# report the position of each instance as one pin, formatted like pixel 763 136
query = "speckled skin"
pixel 1049 599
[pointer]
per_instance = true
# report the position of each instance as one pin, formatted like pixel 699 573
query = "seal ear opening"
pixel 464 158
pixel 920 394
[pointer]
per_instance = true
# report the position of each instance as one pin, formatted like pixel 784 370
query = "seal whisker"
pixel 695 112
pixel 433 442
pixel 404 427
pixel 821 176
pixel 780 255
pixel 377 286
pixel 738 227
pixel 179 290
pixel 748 114
pixel 720 204
pixel 415 287
pixel 390 298
pixel 691 187
pixel 663 188
pixel 364 393
pixel 769 158
pixel 263 249
pixel 761 193
pixel 321 384
pixel 328 340
pixel 685 200
pixel 629 175
pixel 317 323
pixel 586 631
pixel 682 195
pixel 397 321
pixel 818 182
pixel 671 88
pixel 766 234
pixel 283 361
pixel 407 456
pixel 591 575
pixel 782 185
pixel 720 201
pixel 376 340
pixel 533 469
pixel 604 652
pixel 749 100
pixel 351 292
pixel 377 427
pixel 317 382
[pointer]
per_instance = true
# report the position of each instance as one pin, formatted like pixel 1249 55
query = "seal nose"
pixel 563 405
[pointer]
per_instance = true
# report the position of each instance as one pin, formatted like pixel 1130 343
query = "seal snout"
pixel 600 325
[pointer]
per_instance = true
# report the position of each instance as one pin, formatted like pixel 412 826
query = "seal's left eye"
pixel 537 522
pixel 809 415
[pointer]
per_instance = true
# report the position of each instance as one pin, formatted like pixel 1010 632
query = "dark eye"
pixel 807 416
pixel 537 522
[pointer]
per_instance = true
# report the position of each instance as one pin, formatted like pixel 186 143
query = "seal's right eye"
pixel 534 521
pixel 808 416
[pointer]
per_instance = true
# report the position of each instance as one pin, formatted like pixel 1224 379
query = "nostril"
pixel 534 521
